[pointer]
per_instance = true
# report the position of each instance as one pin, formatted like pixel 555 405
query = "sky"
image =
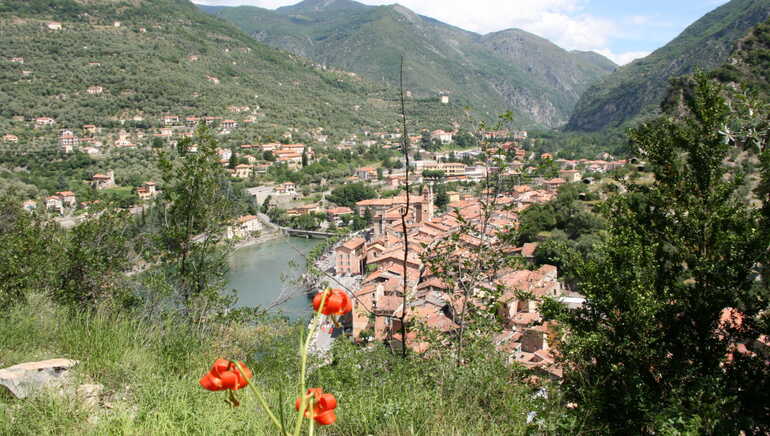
pixel 622 30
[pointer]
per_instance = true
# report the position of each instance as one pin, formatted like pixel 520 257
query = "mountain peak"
pixel 322 6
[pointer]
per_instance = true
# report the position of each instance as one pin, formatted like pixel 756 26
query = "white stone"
pixel 25 379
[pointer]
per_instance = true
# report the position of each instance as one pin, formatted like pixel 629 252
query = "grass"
pixel 150 373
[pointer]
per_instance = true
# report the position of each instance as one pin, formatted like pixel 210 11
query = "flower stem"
pixel 261 399
pixel 303 367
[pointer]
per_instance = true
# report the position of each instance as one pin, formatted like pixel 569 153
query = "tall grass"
pixel 150 373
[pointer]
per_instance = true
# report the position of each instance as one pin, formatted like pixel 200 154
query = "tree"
pixel 266 204
pixel 348 195
pixel 304 159
pixel 191 243
pixel 31 249
pixel 425 140
pixel 441 199
pixel 95 260
pixel 268 156
pixel 433 175
pixel 655 348
pixel 465 139
pixel 233 162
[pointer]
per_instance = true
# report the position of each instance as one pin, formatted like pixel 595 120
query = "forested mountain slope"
pixel 152 58
pixel 509 70
pixel 638 89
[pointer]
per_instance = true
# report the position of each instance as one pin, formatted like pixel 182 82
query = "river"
pixel 258 273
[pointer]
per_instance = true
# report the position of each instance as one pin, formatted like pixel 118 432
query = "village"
pixel 376 263
pixel 372 262
pixel 254 166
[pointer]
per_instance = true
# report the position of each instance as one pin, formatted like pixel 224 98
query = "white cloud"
pixel 622 58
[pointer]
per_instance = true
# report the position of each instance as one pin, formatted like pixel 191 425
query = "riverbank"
pixel 261 239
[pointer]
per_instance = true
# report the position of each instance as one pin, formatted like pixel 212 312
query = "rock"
pixel 89 394
pixel 25 379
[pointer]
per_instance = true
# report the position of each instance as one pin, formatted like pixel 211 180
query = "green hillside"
pixel 168 57
pixel 511 70
pixel 749 65
pixel 637 89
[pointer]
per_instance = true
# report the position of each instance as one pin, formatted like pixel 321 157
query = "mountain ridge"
pixel 637 89
pixel 441 59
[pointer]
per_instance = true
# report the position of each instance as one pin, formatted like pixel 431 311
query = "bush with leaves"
pixel 652 350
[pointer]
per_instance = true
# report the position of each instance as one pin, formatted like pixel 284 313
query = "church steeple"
pixel 427 203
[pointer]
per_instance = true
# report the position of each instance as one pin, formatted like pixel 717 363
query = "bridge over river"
pixel 306 233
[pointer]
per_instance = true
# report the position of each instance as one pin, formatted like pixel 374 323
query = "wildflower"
pixel 337 302
pixel 224 374
pixel 321 406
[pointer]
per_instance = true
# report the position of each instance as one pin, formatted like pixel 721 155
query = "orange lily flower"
pixel 322 406
pixel 337 302
pixel 224 374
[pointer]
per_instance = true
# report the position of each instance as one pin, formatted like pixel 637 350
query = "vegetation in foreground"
pixel 150 371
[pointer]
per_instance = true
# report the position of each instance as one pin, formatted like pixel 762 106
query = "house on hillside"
pixel 246 226
pixel 287 188
pixel 170 120
pixel 103 181
pixel 54 203
pixel 335 214
pixel 553 184
pixel 366 173
pixel 54 25
pixel 442 136
pixel 229 124
pixel 10 138
pixel 242 171
pixel 94 90
pixel 570 176
pixel 29 205
pixel 305 209
pixel 60 201
pixel 292 159
pixel 68 198
pixel 44 121
pixel 69 139
pixel 147 191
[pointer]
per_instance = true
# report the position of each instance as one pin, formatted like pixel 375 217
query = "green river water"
pixel 259 274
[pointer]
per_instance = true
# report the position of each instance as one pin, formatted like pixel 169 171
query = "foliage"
pixel 567 213
pixel 98 254
pixel 650 349
pixel 147 73
pixel 31 249
pixel 199 207
pixel 751 61
pixel 150 373
pixel 348 195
